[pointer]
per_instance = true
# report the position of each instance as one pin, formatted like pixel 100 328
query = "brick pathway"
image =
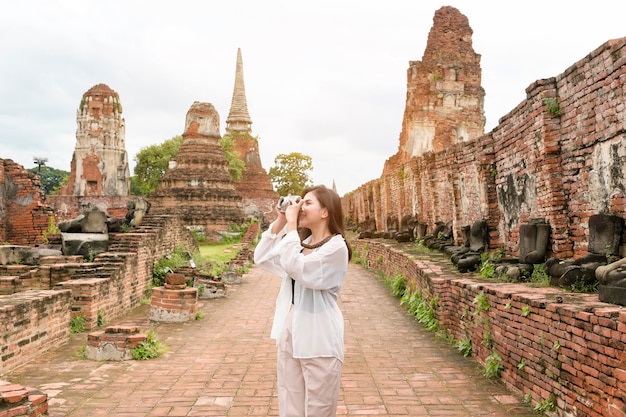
pixel 224 364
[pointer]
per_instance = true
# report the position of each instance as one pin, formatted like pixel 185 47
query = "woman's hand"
pixel 291 215
pixel 280 222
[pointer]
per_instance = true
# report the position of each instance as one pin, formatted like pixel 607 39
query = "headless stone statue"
pixel 478 242
pixel 605 233
pixel 534 237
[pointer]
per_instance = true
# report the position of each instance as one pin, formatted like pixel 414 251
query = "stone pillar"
pixel 174 302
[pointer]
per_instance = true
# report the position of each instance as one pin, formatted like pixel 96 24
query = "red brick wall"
pixel 573 350
pixel 111 285
pixel 23 214
pixel 32 323
pixel 534 164
pixel 126 270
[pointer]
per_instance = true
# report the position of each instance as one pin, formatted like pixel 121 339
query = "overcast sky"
pixel 324 78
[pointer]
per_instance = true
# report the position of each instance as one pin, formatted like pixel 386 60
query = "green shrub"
pixel 398 286
pixel 465 346
pixel 493 366
pixel 77 324
pixel 148 349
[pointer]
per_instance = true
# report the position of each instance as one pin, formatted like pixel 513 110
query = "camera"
pixel 286 201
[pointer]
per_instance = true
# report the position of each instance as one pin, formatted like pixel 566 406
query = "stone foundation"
pixel 20 401
pixel 115 343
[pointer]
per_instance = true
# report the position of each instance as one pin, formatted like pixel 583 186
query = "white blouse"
pixel 317 326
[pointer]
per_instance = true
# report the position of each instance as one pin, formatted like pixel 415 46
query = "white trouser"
pixel 306 387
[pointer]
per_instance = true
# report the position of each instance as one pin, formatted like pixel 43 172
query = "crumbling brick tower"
pixel 444 101
pixel 197 186
pixel 100 163
pixel 254 186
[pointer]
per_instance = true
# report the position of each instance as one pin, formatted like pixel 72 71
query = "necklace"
pixel 318 244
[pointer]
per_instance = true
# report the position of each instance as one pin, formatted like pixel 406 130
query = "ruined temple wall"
pixel 534 164
pixel 23 214
pixel 3 204
pixel 37 305
pixel 592 94
pixel 565 168
pixel 517 157
pixel 30 324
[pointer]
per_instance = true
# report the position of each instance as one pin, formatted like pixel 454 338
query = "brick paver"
pixel 224 364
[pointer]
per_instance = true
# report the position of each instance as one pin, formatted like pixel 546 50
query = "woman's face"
pixel 312 214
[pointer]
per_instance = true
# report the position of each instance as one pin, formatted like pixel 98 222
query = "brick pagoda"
pixel 197 187
pixel 254 186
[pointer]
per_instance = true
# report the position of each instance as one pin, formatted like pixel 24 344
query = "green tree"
pixel 290 175
pixel 51 178
pixel 151 164
pixel 235 165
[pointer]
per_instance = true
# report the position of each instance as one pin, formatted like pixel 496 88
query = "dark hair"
pixel 331 201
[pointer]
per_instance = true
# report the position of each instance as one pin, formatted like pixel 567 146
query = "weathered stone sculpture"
pixel 392 228
pixel 605 233
pixel 533 241
pixel 407 229
pixel 534 238
pixel 137 209
pixel 612 279
pixel 467 257
pixel 441 236
pixel 368 228
pixel 92 220
pixel 24 255
pixel 87 234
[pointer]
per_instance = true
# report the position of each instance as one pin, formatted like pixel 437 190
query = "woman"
pixel 308 325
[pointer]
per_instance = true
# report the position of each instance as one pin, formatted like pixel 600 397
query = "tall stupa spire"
pixel 238 118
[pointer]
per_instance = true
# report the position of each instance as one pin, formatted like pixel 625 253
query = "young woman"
pixel 308 324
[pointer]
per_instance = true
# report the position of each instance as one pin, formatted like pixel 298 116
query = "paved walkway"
pixel 224 364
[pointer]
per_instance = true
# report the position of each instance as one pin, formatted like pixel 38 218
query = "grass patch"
pixel 218 252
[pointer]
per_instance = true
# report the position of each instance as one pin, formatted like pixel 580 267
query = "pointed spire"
pixel 238 118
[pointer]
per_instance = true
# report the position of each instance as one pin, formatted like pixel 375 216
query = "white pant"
pixel 306 387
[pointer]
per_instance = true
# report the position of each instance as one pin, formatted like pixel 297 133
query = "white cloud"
pixel 326 79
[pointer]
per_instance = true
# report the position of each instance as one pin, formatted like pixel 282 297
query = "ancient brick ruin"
pixel 23 212
pixel 559 155
pixel 254 186
pixel 38 301
pixel 99 165
pixel 554 162
pixel 444 104
pixel 197 187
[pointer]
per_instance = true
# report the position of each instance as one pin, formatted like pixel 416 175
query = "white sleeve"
pixel 266 255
